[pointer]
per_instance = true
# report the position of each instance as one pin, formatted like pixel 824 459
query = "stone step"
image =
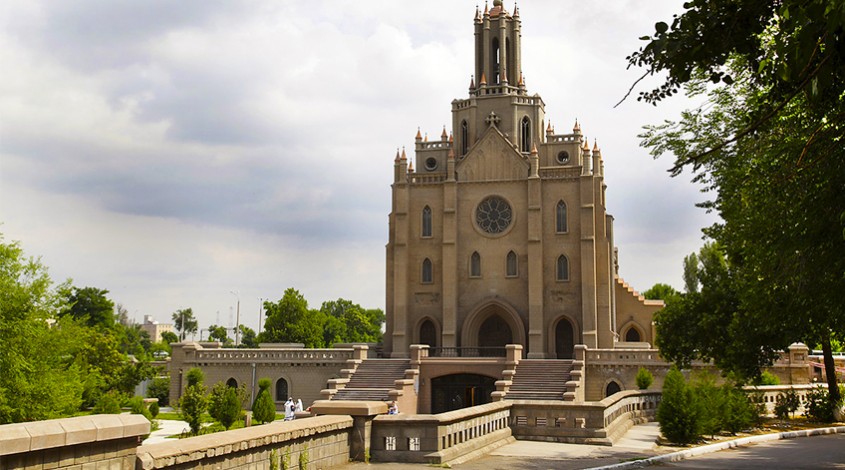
pixel 540 379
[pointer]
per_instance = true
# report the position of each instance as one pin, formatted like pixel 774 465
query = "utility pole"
pixel 237 319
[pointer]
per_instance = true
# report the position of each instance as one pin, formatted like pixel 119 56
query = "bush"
pixel 787 404
pixel 138 407
pixel 644 378
pixel 819 407
pixel 738 411
pixel 224 404
pixel 192 405
pixel 678 413
pixel 108 403
pixel 154 409
pixel 710 399
pixel 767 378
pixel 160 388
pixel 195 376
pixel 263 410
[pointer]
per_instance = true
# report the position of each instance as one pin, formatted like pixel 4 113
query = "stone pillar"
pixel 363 413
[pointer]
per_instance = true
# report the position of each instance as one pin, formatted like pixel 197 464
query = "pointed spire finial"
pixel 521 79
pixel 411 166
pixel 586 145
pixel 404 157
pixel 595 145
pixel 472 82
pixel 549 128
pixel 577 127
pixel 419 135
pixel 444 135
pixel 486 10
pixel 397 155
pixel 534 148
pixel 451 139
pixel 425 139
pixel 483 79
pixel 515 10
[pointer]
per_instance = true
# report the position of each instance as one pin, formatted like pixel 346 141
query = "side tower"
pixel 498 230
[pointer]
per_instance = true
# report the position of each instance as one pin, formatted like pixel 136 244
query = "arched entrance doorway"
pixel 612 388
pixel 428 334
pixel 494 333
pixel 456 391
pixel 564 340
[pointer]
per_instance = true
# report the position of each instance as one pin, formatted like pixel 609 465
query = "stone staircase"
pixel 373 380
pixel 541 379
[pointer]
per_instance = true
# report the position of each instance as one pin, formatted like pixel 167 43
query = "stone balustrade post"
pixel 359 351
pixel 514 354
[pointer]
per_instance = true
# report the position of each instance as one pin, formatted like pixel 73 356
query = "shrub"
pixel 767 378
pixel 819 407
pixel 644 378
pixel 192 405
pixel 138 407
pixel 787 404
pixel 224 404
pixel 108 403
pixel 263 410
pixel 195 376
pixel 710 399
pixel 160 388
pixel 154 409
pixel 303 458
pixel 678 413
pixel 738 411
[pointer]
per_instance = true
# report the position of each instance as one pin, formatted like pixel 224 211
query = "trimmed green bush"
pixel 679 414
pixel 195 376
pixel 224 404
pixel 154 409
pixel 160 388
pixel 108 403
pixel 644 378
pixel 263 409
pixel 138 407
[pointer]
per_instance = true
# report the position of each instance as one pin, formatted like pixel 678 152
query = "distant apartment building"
pixel 154 328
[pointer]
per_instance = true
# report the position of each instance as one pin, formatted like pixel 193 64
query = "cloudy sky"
pixel 176 152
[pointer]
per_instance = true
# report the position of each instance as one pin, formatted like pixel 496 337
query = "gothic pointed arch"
pixel 525 135
pixel 561 225
pixel 632 333
pixel 562 268
pixel 426 221
pixel 475 265
pixel 563 335
pixel 427 275
pixel 486 310
pixel 512 264
pixel 427 331
pixel 464 137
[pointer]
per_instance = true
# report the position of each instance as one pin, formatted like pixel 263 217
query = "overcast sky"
pixel 173 152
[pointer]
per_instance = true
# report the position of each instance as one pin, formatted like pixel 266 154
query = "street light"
pixel 237 318
pixel 260 312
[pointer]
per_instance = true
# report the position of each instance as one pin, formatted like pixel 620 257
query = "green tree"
pixel 169 337
pixel 194 401
pixel 359 325
pixel 219 333
pixel 663 292
pixel 160 388
pixel 644 378
pixel 248 337
pixel 290 321
pixel 224 404
pixel 263 409
pixel 678 413
pixel 691 273
pixel 184 322
pixel 91 305
pixel 35 357
pixel 768 143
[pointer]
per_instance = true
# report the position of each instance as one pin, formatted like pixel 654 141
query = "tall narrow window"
pixel 494 78
pixel 464 138
pixel 512 265
pixel 426 221
pixel 475 265
pixel 282 390
pixel 560 218
pixel 562 268
pixel 427 274
pixel 526 134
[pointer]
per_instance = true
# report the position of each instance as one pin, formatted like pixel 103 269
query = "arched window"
pixel 526 134
pixel 464 138
pixel 232 383
pixel 282 390
pixel 562 268
pixel 428 334
pixel 427 271
pixel 632 335
pixel 475 265
pixel 426 221
pixel 560 218
pixel 512 268
pixel 612 388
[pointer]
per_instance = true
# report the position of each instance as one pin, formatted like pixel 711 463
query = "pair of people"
pixel 291 407
pixel 392 408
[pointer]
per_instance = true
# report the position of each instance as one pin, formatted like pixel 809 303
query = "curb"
pixel 710 448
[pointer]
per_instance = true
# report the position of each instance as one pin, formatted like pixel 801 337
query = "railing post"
pixel 359 351
pixel 418 352
pixel 514 354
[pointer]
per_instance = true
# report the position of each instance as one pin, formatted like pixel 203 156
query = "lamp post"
pixel 237 318
pixel 260 311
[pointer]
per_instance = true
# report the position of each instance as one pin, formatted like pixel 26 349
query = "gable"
pixel 492 158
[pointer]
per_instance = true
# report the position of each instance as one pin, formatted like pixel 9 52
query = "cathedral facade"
pixel 499 232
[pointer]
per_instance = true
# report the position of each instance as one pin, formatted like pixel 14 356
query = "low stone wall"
pixel 600 423
pixel 97 441
pixel 770 395
pixel 325 439
pixel 440 438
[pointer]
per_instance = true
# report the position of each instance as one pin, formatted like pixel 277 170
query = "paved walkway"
pixel 168 427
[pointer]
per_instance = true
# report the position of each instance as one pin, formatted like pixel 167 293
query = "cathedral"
pixel 499 231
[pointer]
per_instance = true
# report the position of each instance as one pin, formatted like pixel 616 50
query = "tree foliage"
pixel 184 322
pixel 679 413
pixel 224 404
pixel 263 409
pixel 219 333
pixel 769 142
pixel 337 321
pixel 663 292
pixel 91 306
pixel 194 401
